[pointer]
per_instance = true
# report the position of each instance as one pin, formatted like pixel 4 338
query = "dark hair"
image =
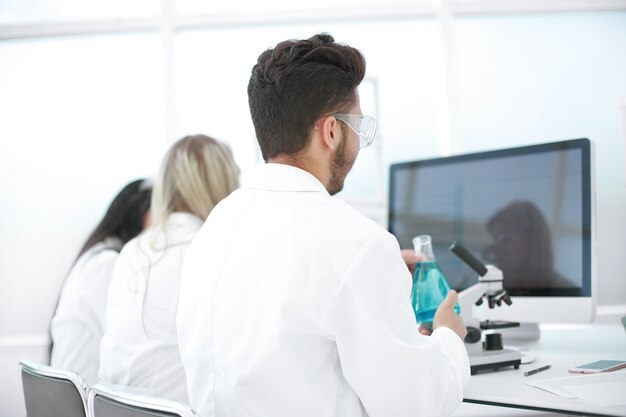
pixel 125 216
pixel 296 83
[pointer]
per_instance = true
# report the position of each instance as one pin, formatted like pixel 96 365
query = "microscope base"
pixel 491 360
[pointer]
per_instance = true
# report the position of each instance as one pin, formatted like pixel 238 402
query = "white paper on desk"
pixel 600 395
pixel 554 390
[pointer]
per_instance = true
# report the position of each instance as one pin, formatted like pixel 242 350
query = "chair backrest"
pixel 52 392
pixel 108 400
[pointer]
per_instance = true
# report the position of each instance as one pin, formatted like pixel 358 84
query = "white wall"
pixel 82 115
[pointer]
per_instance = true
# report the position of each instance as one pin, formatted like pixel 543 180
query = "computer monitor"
pixel 527 210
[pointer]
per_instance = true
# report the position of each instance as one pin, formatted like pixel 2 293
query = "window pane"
pixel 404 77
pixel 79 117
pixel 536 78
pixel 31 11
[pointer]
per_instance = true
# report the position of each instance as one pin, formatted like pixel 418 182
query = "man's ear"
pixel 327 128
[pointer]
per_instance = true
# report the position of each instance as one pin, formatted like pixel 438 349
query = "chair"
pixel 108 400
pixel 52 392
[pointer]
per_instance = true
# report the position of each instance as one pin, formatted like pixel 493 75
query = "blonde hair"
pixel 196 174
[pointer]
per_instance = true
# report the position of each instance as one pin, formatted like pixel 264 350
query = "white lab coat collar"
pixel 180 218
pixel 179 227
pixel 282 177
pixel 111 242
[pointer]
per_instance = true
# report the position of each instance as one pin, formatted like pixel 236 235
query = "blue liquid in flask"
pixel 429 290
pixel 429 284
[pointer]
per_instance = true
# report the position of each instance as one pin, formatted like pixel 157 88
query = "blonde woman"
pixel 139 349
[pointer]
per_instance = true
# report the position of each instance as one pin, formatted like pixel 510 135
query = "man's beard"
pixel 340 166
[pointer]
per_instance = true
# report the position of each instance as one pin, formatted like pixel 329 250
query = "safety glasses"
pixel 364 126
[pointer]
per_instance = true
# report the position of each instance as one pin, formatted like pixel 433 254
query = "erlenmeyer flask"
pixel 429 284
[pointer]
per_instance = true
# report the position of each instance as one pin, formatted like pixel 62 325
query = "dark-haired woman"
pixel 78 323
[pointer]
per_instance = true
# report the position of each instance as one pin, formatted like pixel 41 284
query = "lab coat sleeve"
pixel 394 369
pixel 79 353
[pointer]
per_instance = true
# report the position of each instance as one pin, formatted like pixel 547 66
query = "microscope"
pixel 487 354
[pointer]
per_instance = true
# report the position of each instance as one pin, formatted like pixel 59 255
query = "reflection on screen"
pixel 523 210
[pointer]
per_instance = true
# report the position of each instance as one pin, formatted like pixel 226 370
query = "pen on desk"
pixel 534 371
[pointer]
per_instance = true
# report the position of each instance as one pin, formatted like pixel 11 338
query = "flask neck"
pixel 423 245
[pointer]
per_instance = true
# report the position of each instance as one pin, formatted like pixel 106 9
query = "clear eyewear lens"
pixel 364 126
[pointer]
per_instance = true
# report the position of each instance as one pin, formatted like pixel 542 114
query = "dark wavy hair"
pixel 296 83
pixel 124 219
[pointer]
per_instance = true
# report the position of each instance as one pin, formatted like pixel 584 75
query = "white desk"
pixel 562 347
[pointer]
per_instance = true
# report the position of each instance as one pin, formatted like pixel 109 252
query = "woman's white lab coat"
pixel 78 323
pixel 140 348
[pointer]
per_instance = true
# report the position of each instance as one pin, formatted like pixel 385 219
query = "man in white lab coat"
pixel 292 303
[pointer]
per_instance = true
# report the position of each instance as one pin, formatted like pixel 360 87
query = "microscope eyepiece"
pixel 469 259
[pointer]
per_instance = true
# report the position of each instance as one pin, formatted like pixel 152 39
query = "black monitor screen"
pixel 525 210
